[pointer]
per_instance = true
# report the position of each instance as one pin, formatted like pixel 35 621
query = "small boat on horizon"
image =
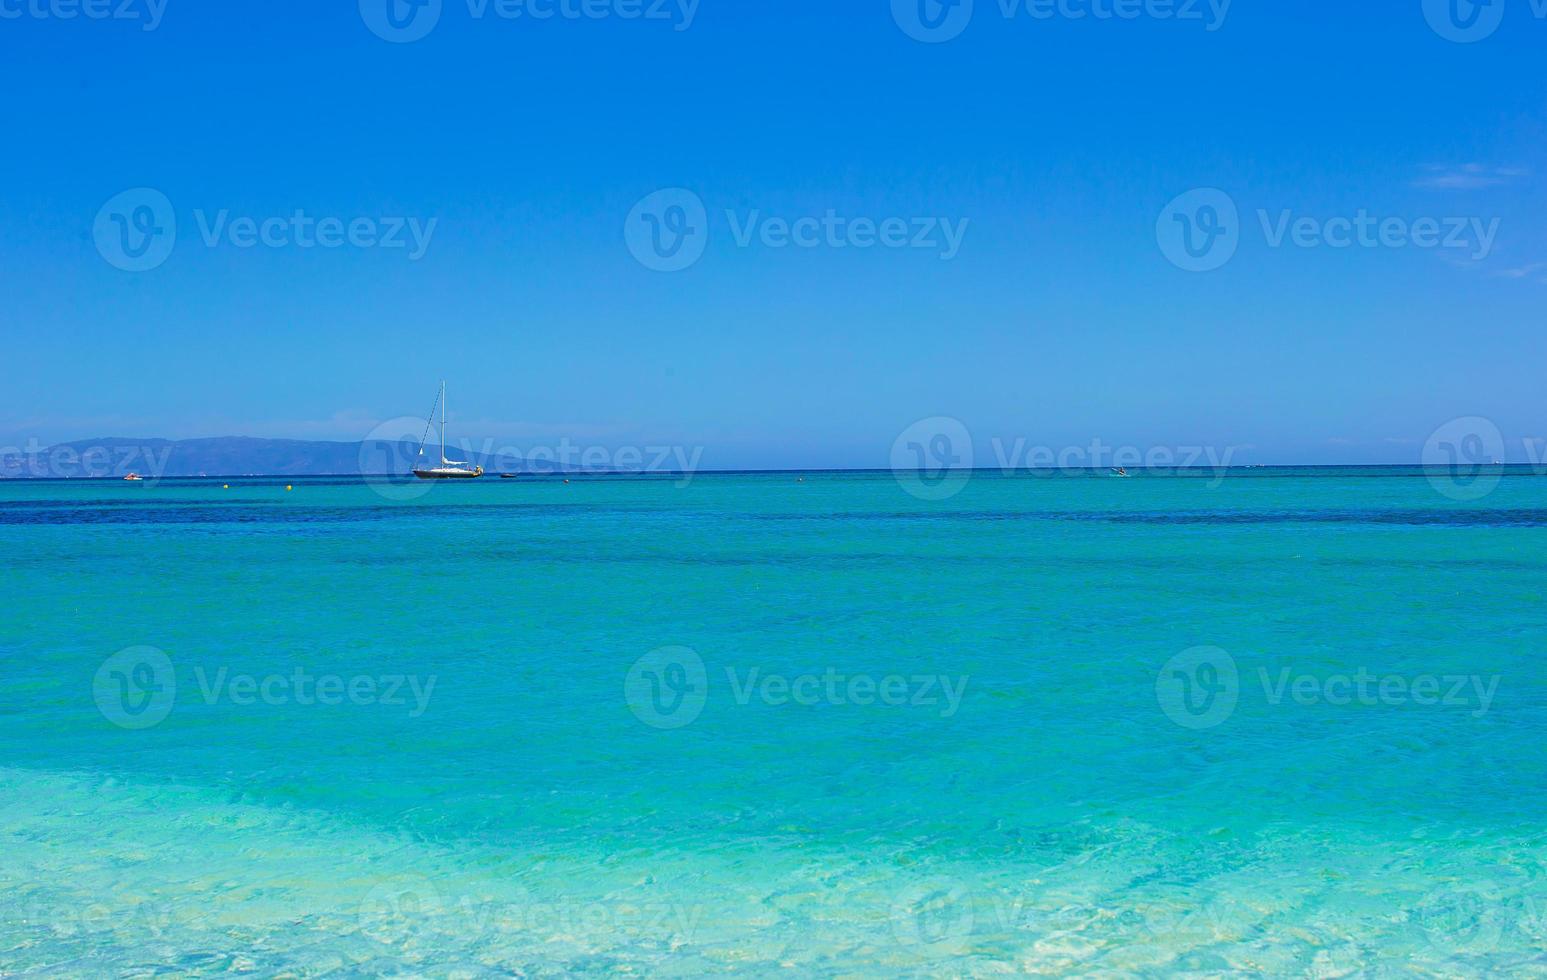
pixel 135 477
pixel 448 469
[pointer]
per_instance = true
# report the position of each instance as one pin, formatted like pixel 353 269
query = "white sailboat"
pixel 448 469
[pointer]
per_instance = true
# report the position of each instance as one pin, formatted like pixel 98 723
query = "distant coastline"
pixel 244 457
pixel 108 458
pixel 233 456
pixel 247 458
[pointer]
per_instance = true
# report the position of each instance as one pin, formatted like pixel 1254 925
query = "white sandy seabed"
pixel 103 878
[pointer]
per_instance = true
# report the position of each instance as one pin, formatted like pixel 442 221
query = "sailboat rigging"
pixel 448 469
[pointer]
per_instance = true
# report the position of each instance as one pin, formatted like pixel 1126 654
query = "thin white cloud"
pixel 1532 270
pixel 1468 177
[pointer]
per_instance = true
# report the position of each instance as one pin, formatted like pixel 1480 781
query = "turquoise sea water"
pixel 1286 722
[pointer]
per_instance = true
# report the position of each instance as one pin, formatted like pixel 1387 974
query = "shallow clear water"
pixel 1289 722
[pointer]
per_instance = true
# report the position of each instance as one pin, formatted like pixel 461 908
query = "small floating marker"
pixel 566 483
pixel 225 486
pixel 289 488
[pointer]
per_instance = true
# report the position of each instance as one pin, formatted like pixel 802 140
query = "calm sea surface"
pixel 1290 722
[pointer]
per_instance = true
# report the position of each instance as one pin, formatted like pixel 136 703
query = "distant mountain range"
pixel 225 456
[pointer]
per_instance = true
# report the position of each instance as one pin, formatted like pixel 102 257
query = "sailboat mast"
pixel 447 470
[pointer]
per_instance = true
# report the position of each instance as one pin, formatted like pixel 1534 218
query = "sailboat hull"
pixel 449 474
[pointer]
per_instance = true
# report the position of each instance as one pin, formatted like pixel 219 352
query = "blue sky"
pixel 1052 145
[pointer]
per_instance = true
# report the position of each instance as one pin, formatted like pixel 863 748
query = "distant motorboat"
pixel 448 469
pixel 137 478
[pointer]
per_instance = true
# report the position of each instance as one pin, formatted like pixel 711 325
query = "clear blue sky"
pixel 1059 141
